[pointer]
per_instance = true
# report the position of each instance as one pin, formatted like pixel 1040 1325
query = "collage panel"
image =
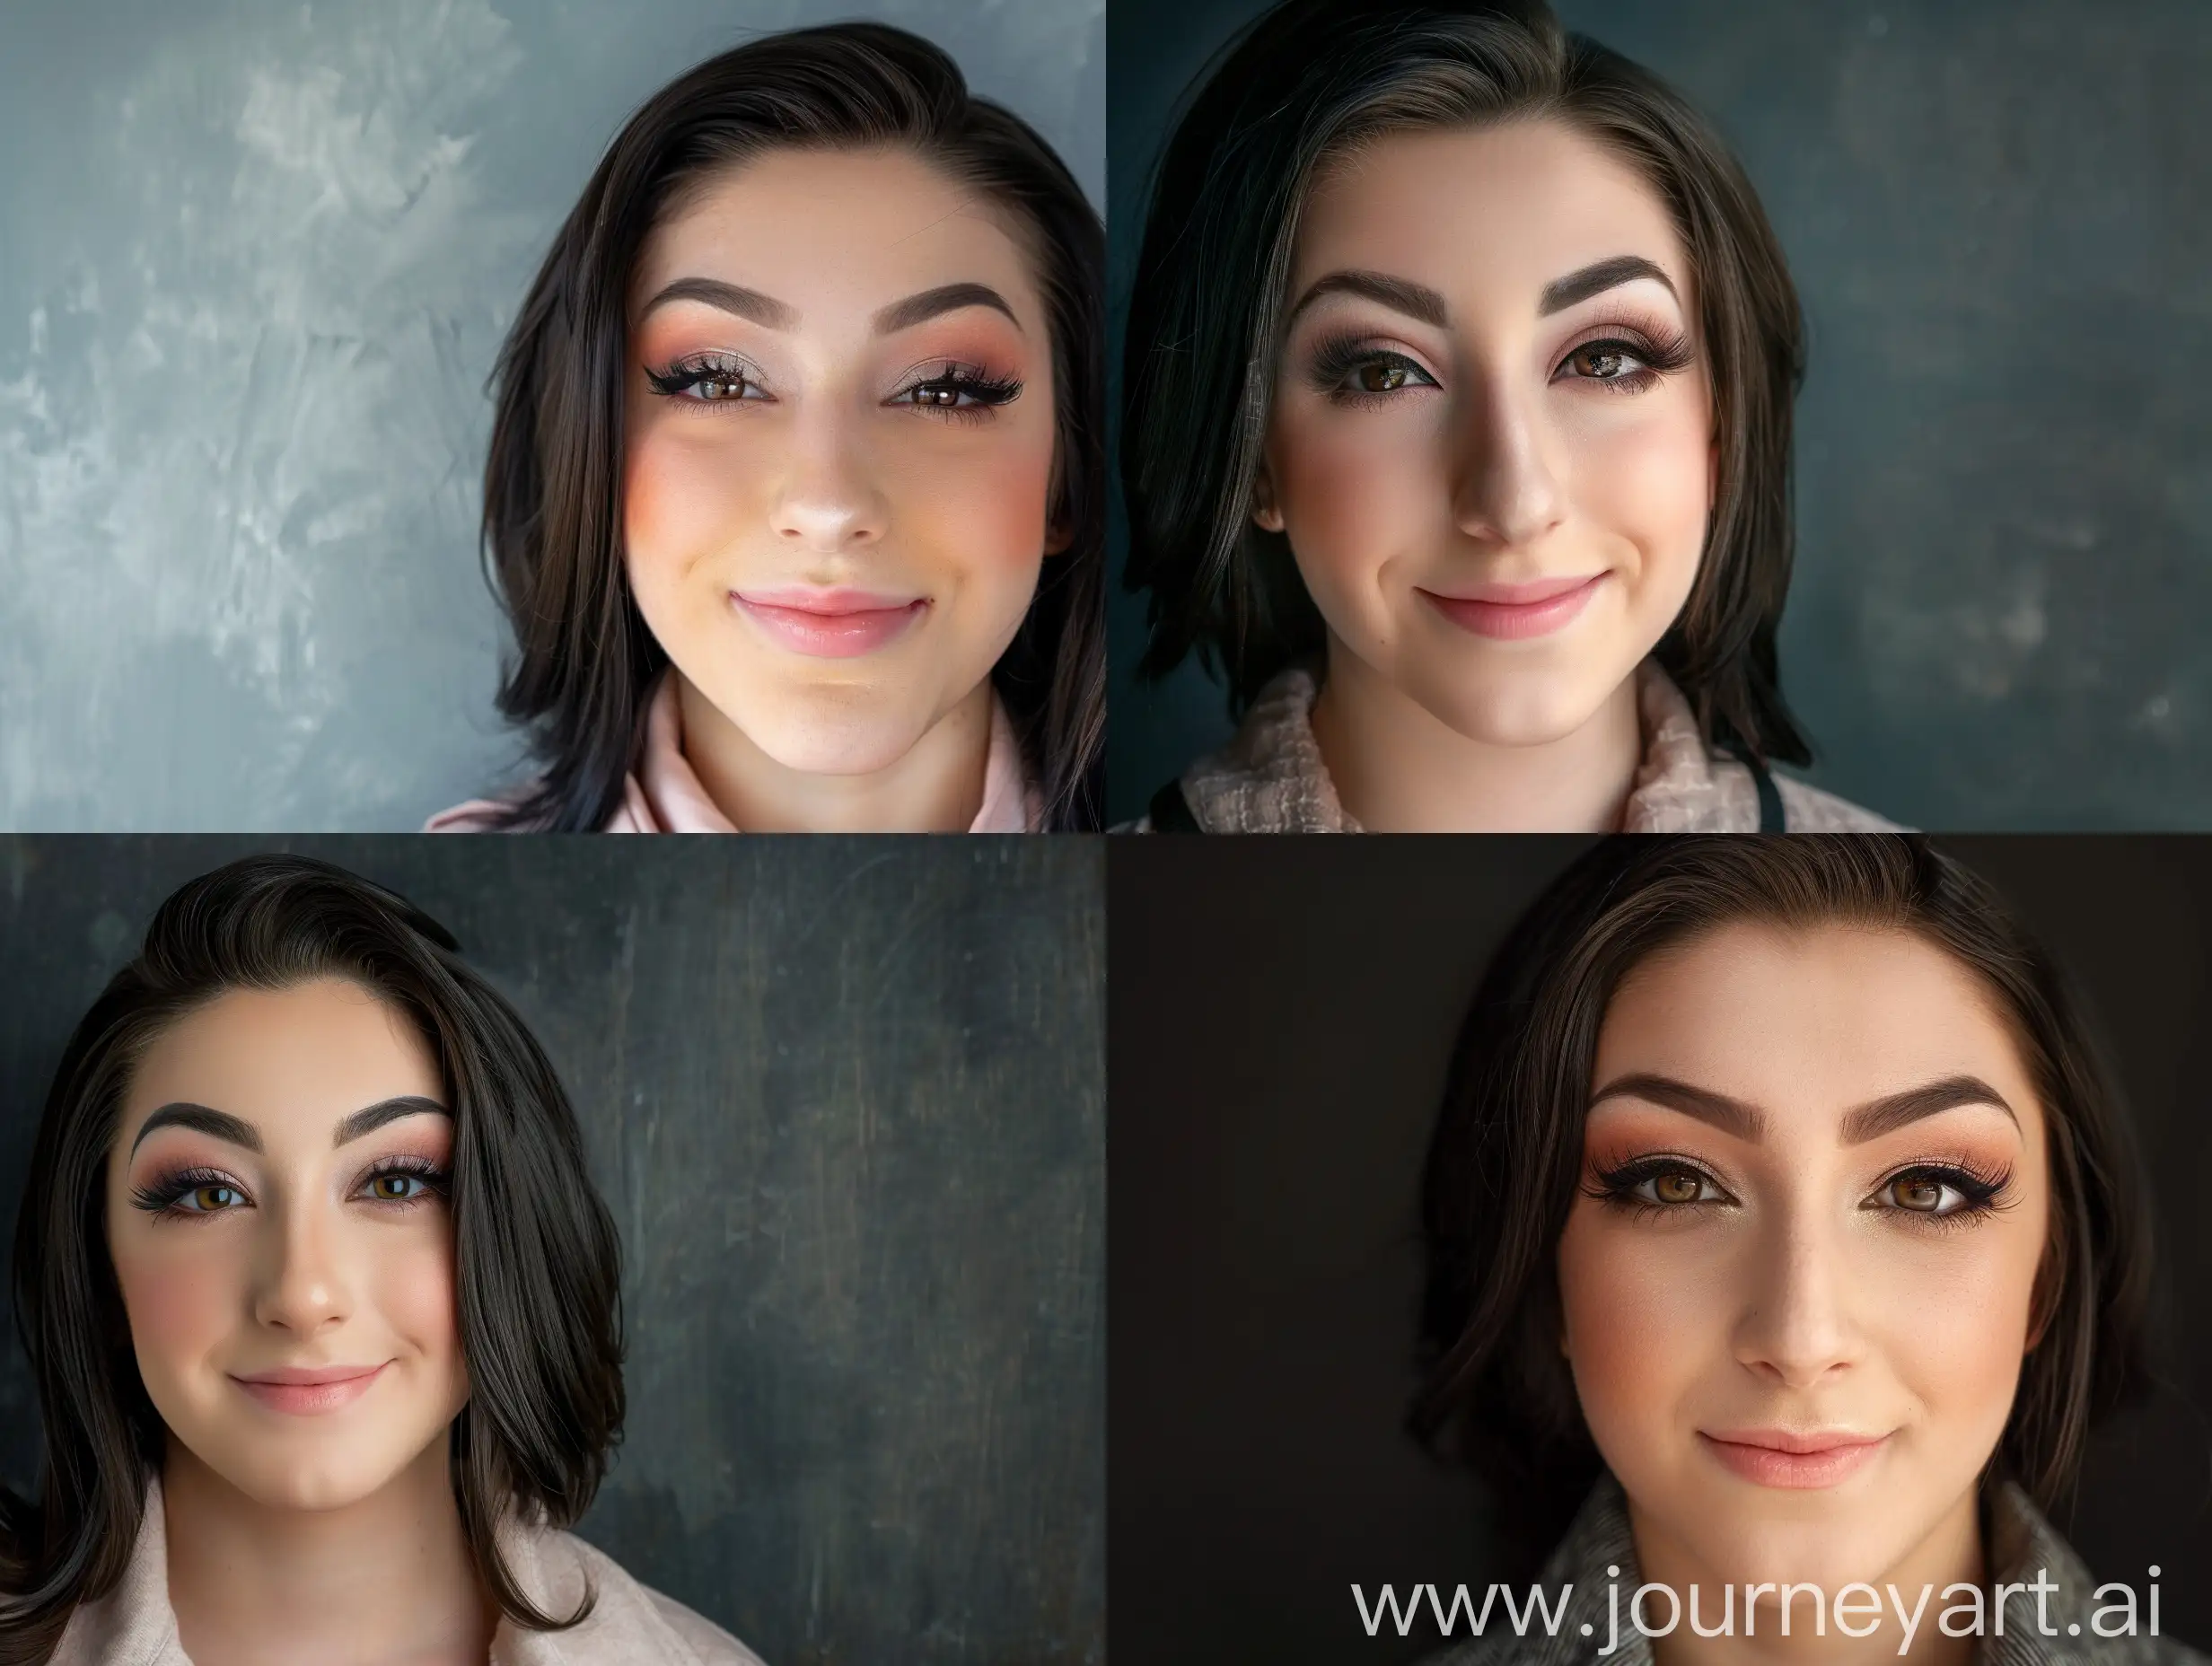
pixel 1659 418
pixel 1501 1226
pixel 718 1229
pixel 681 417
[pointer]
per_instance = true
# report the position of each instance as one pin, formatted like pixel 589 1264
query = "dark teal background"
pixel 1999 217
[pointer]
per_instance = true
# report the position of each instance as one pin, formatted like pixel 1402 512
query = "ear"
pixel 1266 516
pixel 1059 537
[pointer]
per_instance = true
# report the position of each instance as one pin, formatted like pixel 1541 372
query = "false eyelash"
pixel 160 1194
pixel 988 391
pixel 1335 357
pixel 1984 1190
pixel 1616 1186
pixel 436 1179
pixel 689 372
pixel 1659 353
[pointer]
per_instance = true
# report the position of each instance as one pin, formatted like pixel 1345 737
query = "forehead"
pixel 838 233
pixel 1809 1021
pixel 309 1055
pixel 1494 212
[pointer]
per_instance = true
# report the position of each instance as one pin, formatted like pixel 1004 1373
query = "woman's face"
pixel 841 447
pixel 1798 1278
pixel 1491 441
pixel 277 1214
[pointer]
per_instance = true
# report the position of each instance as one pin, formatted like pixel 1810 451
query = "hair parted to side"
pixel 1308 82
pixel 585 659
pixel 536 1260
pixel 1505 1156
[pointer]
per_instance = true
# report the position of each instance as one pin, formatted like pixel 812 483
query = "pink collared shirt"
pixel 134 1625
pixel 662 792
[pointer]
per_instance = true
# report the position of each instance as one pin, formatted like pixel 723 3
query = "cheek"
pixel 1639 1310
pixel 1351 486
pixel 684 493
pixel 1964 1370
pixel 183 1298
pixel 414 1286
pixel 1642 478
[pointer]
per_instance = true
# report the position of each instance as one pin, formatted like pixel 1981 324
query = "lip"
pixel 1786 1459
pixel 310 1390
pixel 829 623
pixel 1515 612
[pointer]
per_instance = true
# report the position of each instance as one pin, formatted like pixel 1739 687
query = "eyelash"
pixel 976 393
pixel 163 1196
pixel 1655 354
pixel 1982 1192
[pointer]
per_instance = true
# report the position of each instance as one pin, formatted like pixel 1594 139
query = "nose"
pixel 1796 1328
pixel 301 1287
pixel 830 500
pixel 1505 490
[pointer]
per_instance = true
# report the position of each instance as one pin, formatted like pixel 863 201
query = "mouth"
pixel 1515 612
pixel 1781 1458
pixel 829 624
pixel 308 1391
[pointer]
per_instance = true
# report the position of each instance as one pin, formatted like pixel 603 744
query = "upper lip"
pixel 1794 1441
pixel 309 1376
pixel 1521 595
pixel 827 600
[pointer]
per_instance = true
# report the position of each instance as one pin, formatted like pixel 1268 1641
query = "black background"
pixel 845 1097
pixel 1281 1013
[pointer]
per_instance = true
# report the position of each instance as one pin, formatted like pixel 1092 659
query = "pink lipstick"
pixel 1778 1458
pixel 1515 612
pixel 308 1391
pixel 829 624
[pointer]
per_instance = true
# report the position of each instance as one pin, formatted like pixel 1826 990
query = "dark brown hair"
pixel 1506 1158
pixel 1309 82
pixel 586 660
pixel 536 1260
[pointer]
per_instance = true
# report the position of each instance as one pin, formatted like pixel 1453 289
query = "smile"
pixel 1774 1457
pixel 310 1392
pixel 1515 612
pixel 829 624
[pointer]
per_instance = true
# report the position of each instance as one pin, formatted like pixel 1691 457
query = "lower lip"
pixel 310 1399
pixel 1769 1467
pixel 1515 621
pixel 831 635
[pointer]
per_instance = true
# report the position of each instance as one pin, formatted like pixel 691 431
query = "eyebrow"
pixel 1596 279
pixel 770 313
pixel 1860 1124
pixel 1416 301
pixel 236 1131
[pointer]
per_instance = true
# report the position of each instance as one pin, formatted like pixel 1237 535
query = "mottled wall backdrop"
pixel 1999 217
pixel 255 259
pixel 846 1101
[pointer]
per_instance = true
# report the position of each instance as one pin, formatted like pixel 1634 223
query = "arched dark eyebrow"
pixel 1860 1124
pixel 1416 301
pixel 945 298
pixel 1595 279
pixel 236 1131
pixel 764 311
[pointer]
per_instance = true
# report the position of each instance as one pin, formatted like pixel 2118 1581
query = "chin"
pixel 1512 705
pixel 843 737
pixel 1831 1555
pixel 311 1480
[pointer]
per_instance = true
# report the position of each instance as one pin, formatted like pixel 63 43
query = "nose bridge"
pixel 830 497
pixel 1798 1324
pixel 1508 489
pixel 303 1279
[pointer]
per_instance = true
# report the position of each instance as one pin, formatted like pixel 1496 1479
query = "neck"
pixel 382 1581
pixel 936 787
pixel 1951 1553
pixel 1399 769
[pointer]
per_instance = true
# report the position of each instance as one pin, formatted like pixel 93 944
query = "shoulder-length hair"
pixel 1505 1156
pixel 536 1263
pixel 585 659
pixel 1312 81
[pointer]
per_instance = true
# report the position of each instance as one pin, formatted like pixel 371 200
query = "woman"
pixel 1457 437
pixel 322 1310
pixel 792 501
pixel 1781 1216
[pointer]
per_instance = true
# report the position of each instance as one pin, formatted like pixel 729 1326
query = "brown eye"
pixel 210 1199
pixel 1598 364
pixel 1678 1186
pixel 1918 1194
pixel 399 1186
pixel 1381 378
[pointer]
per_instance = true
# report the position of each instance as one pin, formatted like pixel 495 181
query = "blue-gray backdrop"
pixel 256 258
pixel 1999 217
